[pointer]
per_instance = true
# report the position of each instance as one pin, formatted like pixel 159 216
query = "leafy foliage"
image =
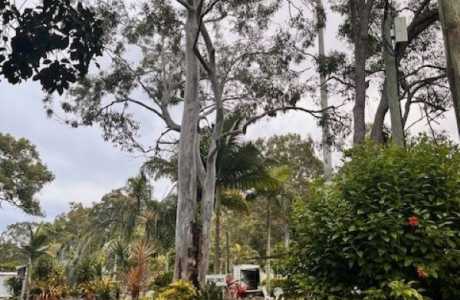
pixel 48 278
pixel 32 37
pixel 22 174
pixel 295 153
pixel 178 290
pixel 14 284
pixel 390 214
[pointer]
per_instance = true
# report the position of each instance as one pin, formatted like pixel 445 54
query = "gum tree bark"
pixel 379 118
pixel 391 78
pixel 187 228
pixel 196 179
pixel 360 14
pixel 327 157
pixel 425 17
pixel 449 11
pixel 218 229
pixel 210 174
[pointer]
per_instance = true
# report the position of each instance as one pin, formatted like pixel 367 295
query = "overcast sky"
pixel 86 167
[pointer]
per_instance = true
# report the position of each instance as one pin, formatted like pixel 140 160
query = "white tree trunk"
pixel 449 11
pixel 209 186
pixel 391 79
pixel 210 177
pixel 25 289
pixel 24 285
pixel 187 228
pixel 218 234
pixel 327 156
pixel 194 216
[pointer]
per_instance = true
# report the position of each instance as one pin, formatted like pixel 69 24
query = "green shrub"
pixel 87 270
pixel 104 288
pixel 211 292
pixel 390 215
pixel 181 289
pixel 162 280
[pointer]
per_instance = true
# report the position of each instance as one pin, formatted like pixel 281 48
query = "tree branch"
pixel 185 4
pixel 315 113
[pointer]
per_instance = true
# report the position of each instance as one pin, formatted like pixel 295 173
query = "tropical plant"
pixel 32 240
pixel 14 285
pixel 103 288
pixel 48 279
pixel 180 289
pixel 137 277
pixel 240 167
pixel 211 292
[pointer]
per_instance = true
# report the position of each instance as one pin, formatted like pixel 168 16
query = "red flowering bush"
pixel 390 215
pixel 413 221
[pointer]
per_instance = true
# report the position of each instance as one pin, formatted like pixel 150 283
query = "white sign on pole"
pixel 401 30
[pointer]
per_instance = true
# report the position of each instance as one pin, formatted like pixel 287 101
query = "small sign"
pixel 401 30
pixel 216 279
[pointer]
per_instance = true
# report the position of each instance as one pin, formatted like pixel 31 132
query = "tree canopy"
pixel 22 174
pixel 53 42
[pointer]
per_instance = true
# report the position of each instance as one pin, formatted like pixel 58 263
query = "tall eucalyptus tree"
pixel 224 60
pixel 321 20
pixel 450 18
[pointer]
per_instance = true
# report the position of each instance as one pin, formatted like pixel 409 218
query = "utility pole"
pixel 391 70
pixel 326 140
pixel 449 12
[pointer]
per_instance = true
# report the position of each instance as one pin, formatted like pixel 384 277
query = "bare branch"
pixel 315 113
pixel 209 8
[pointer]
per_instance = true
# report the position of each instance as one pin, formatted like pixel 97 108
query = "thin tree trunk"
pixel 218 237
pixel 391 78
pixel 379 118
pixel 206 218
pixel 227 251
pixel 449 11
pixel 25 289
pixel 287 236
pixel 327 157
pixel 269 244
pixel 24 284
pixel 209 184
pixel 187 228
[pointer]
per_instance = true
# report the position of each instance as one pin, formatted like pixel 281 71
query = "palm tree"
pixel 280 175
pixel 36 246
pixel 240 167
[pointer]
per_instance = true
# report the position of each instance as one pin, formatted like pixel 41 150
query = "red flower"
pixel 421 273
pixel 242 288
pixel 413 221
